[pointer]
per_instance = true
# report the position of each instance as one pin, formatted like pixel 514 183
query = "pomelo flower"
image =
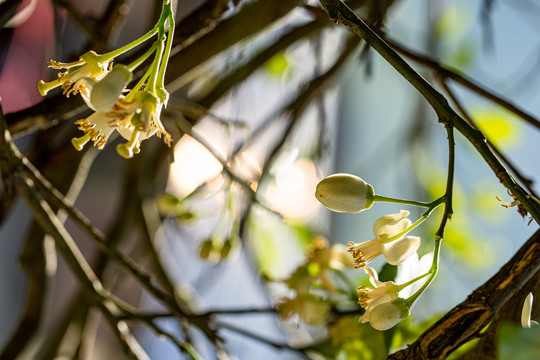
pixel 98 127
pixel 369 297
pixel 134 120
pixel 89 66
pixel 388 242
pixel 345 193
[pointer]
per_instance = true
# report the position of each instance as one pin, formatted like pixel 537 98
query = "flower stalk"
pixel 134 114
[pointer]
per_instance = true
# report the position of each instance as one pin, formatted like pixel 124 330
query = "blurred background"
pixel 267 98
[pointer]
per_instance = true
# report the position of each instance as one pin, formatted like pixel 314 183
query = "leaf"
pixel 497 126
pixel 517 343
pixel 278 65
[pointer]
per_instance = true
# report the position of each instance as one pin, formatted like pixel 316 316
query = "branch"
pixel 464 80
pixel 338 11
pixel 465 321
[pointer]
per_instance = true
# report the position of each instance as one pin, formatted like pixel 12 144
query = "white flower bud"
pixel 345 193
pixel 387 315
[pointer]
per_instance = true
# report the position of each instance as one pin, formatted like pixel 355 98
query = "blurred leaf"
pixel 497 125
pixel 485 204
pixel 517 343
pixel 453 23
pixel 358 341
pixel 463 349
pixel 388 272
pixel 462 57
pixel 277 65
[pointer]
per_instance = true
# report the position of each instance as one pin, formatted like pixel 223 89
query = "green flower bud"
pixel 345 193
pixel 108 90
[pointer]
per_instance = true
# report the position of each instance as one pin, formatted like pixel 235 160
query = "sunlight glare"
pixel 193 165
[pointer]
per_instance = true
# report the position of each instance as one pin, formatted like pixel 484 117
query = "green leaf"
pixel 517 343
pixel 277 65
pixel 497 125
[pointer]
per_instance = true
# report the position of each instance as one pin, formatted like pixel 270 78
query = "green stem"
pixel 424 216
pixel 167 52
pixel 448 210
pixel 403 286
pixel 154 68
pixel 111 55
pixel 135 64
pixel 167 9
pixel 381 198
pixel 432 271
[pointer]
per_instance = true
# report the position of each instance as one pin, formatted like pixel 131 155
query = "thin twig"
pixel 527 183
pixel 464 80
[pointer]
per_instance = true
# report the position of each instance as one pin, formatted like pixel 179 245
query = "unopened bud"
pixel 387 315
pixel 345 193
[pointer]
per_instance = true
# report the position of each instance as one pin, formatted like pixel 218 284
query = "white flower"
pixel 73 80
pixel 134 120
pixel 369 297
pixel 388 314
pixel 345 193
pixel 526 321
pixel 395 251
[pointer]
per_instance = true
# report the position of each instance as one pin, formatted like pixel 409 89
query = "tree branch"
pixel 465 321
pixel 340 12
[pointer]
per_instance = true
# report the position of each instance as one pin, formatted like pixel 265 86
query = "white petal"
pixel 373 276
pixel 391 224
pixel 397 251
pixel 526 311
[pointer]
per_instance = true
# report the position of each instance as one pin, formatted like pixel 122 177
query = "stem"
pixel 135 64
pixel 167 9
pixel 448 211
pixel 433 271
pixel 403 286
pixel 167 52
pixel 381 198
pixel 424 216
pixel 111 55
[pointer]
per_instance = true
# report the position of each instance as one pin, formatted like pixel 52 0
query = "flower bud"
pixel 108 90
pixel 345 193
pixel 387 315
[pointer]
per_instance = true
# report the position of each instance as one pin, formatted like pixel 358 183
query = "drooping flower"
pixel 526 311
pixel 323 257
pixel 345 193
pixel 388 314
pixel 394 251
pixel 309 308
pixel 369 297
pixel 134 120
pixel 98 127
pixel 73 80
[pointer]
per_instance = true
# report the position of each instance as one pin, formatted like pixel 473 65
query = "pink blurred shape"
pixel 32 44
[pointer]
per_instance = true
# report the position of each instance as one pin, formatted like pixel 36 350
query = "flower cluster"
pixel 322 258
pixel 383 308
pixel 134 114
